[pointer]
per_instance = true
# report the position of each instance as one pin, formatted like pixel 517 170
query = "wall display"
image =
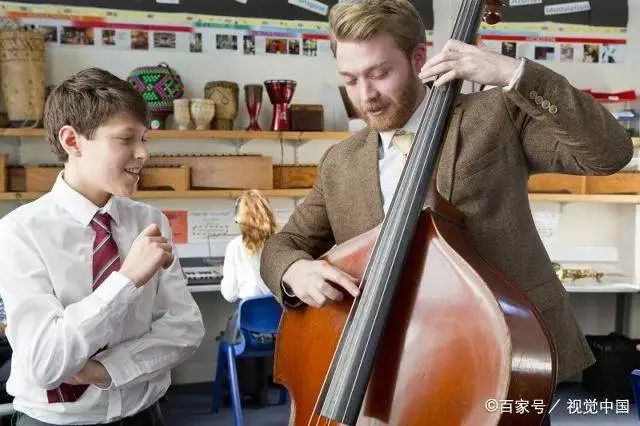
pixel 253 28
pixel 593 32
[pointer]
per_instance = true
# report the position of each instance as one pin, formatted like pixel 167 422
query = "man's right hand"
pixel 149 252
pixel 314 282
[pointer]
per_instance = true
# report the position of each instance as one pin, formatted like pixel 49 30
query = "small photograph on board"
pixel 566 53
pixel 140 40
pixel 276 45
pixel 249 45
pixel 50 32
pixel 294 47
pixel 309 47
pixel 591 53
pixel 509 48
pixel 164 40
pixel 108 37
pixel 195 42
pixel 226 42
pixel 544 53
pixel 611 53
pixel 76 36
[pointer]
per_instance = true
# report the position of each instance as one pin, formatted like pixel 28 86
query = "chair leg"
pixel 233 384
pixel 282 400
pixel 217 383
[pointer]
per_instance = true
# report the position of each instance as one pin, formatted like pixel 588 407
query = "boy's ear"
pixel 68 138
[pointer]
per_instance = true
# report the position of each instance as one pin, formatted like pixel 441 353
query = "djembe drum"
pixel 159 86
pixel 225 96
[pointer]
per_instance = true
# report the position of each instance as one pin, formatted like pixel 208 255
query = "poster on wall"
pixel 589 32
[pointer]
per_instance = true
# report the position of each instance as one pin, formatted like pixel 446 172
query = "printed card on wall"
pixel 207 224
pixel 178 221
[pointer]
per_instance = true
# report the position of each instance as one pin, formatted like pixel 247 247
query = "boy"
pixel 96 302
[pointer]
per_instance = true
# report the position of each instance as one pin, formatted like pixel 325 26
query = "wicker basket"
pixel 22 73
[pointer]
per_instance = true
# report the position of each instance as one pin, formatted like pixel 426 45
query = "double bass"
pixel 438 336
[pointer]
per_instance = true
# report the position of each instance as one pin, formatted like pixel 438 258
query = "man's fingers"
pixel 159 239
pixel 440 68
pixel 330 292
pixel 342 279
pixel 450 76
pixel 317 296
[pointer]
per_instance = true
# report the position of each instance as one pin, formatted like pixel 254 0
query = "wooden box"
pixel 619 183
pixel 41 178
pixel 154 178
pixel 294 176
pixel 223 171
pixel 3 173
pixel 16 178
pixel 306 117
pixel 556 182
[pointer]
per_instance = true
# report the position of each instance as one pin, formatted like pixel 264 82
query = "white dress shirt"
pixel 56 323
pixel 241 273
pixel 391 160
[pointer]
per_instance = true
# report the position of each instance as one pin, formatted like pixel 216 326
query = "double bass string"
pixel 359 330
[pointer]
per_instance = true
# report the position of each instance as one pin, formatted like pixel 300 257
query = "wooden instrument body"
pixel 459 334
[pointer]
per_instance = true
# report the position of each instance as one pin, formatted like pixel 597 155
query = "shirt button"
pixel 545 104
pixel 533 94
pixel 553 109
pixel 539 100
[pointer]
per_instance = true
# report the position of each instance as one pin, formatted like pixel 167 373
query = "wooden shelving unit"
pixel 207 134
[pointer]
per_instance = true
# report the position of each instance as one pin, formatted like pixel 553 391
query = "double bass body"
pixel 461 343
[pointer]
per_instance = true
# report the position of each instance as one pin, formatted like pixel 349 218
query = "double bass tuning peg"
pixel 493 11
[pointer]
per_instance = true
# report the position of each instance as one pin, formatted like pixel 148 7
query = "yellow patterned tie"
pixel 403 140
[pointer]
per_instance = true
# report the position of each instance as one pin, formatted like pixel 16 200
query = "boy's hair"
pixel 255 220
pixel 362 20
pixel 86 101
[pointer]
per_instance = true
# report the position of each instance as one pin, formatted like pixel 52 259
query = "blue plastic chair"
pixel 257 316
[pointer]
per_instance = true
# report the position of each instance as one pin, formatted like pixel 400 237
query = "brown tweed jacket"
pixel 495 140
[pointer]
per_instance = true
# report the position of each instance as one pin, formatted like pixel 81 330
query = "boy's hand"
pixel 93 373
pixel 149 252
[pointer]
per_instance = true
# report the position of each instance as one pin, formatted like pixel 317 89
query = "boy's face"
pixel 381 81
pixel 110 163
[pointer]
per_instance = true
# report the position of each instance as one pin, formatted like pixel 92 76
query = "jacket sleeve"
pixel 307 235
pixel 563 129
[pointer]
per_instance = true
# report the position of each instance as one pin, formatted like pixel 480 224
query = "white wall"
pixel 317 83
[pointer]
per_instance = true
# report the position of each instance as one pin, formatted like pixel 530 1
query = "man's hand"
pixel 93 373
pixel 313 281
pixel 463 61
pixel 149 252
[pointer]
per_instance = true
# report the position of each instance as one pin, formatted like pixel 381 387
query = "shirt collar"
pixel 410 126
pixel 78 206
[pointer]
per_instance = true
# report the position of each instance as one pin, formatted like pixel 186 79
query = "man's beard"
pixel 396 114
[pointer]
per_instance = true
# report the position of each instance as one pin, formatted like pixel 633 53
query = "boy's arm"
pixel 52 341
pixel 174 334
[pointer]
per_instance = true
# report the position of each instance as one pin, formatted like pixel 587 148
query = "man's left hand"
pixel 93 373
pixel 459 60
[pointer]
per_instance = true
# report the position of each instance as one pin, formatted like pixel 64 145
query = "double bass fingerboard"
pixel 344 389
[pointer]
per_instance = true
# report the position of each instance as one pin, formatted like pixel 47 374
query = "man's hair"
pixel 86 101
pixel 362 20
pixel 255 220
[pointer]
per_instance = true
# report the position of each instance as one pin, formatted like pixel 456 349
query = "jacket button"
pixel 539 100
pixel 545 104
pixel 533 94
pixel 553 109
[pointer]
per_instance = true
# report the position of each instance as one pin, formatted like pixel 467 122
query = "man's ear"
pixel 419 57
pixel 69 139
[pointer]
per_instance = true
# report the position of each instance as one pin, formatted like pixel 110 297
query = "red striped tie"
pixel 105 261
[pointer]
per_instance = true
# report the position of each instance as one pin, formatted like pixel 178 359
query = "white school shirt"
pixel 56 323
pixel 241 273
pixel 391 160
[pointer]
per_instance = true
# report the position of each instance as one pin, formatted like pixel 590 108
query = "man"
pixel 533 122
